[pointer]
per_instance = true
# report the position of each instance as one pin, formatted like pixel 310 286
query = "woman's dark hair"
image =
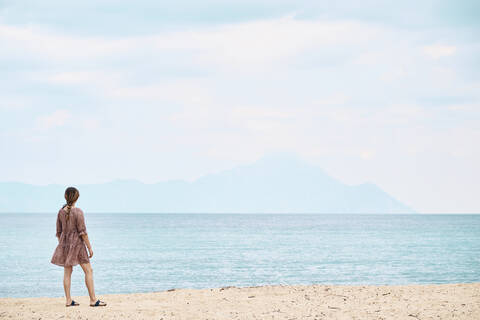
pixel 71 195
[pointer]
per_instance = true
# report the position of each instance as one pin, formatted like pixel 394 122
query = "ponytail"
pixel 71 195
pixel 68 209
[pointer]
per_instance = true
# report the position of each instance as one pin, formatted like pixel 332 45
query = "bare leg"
pixel 67 281
pixel 87 268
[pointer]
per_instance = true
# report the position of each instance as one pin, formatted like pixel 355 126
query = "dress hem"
pixel 71 265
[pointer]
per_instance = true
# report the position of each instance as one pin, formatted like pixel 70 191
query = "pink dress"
pixel 71 248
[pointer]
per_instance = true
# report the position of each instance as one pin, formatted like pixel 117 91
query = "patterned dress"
pixel 71 248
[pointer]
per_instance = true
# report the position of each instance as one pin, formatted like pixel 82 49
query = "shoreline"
pixel 419 301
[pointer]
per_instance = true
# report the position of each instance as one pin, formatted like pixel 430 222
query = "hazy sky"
pixel 379 91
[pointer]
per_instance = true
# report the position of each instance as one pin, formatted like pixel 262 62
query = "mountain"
pixel 282 184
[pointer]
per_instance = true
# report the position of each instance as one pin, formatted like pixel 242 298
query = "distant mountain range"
pixel 279 184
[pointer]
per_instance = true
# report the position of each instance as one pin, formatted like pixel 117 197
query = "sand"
pixel 411 302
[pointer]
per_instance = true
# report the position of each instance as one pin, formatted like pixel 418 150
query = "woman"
pixel 72 238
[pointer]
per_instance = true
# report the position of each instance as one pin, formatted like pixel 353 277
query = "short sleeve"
pixel 59 226
pixel 80 223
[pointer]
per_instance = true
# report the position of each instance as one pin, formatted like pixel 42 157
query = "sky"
pixel 386 92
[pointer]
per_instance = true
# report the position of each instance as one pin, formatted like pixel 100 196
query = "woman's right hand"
pixel 90 252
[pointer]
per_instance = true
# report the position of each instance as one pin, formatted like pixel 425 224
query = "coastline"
pixel 439 301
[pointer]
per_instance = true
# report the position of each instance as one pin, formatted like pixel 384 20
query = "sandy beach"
pixel 450 301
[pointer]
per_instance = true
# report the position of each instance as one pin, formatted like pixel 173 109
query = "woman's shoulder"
pixel 77 210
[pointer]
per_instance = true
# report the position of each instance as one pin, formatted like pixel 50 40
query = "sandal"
pixel 98 304
pixel 73 304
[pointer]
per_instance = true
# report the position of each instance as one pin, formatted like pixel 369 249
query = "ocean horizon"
pixel 145 252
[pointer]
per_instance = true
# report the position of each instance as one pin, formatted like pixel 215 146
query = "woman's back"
pixel 71 222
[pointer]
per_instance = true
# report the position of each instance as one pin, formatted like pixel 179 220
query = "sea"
pixel 154 252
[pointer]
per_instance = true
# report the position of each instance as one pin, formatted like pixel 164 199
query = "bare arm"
pixel 87 242
pixel 59 228
pixel 82 231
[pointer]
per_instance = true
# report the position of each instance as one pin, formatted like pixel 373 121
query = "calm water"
pixel 154 252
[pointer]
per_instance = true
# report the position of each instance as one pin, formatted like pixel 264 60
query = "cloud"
pixel 263 42
pixel 39 43
pixel 366 154
pixel 439 51
pixel 12 103
pixel 56 119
